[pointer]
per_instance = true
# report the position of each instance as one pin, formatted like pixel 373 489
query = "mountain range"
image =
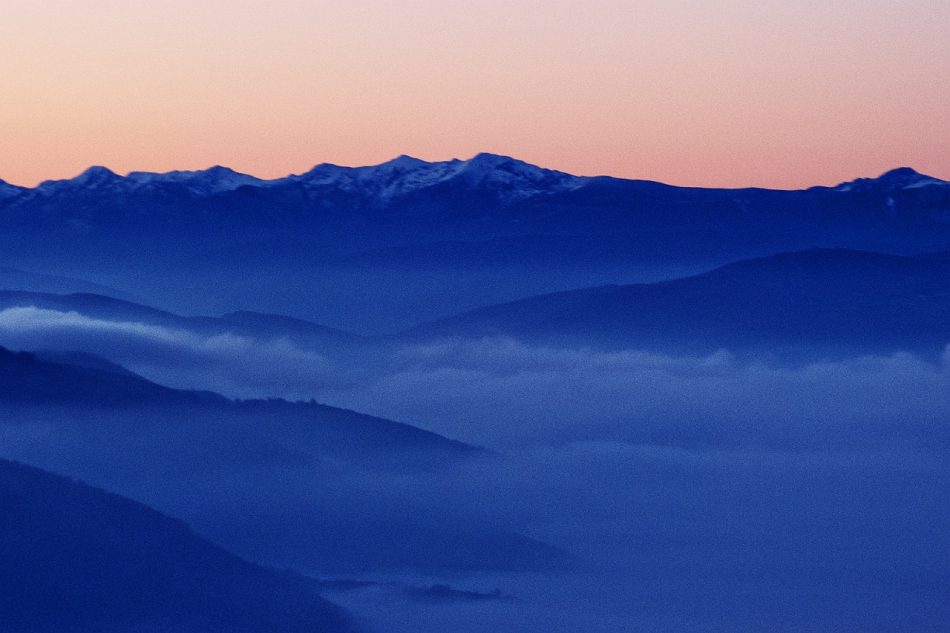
pixel 378 248
pixel 511 179
pixel 817 301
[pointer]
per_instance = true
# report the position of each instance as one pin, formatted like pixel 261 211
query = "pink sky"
pixel 730 93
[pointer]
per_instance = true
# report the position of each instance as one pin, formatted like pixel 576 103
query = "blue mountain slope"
pixel 78 559
pixel 820 298
pixel 24 378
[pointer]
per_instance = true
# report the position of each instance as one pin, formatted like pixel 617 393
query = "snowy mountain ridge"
pixel 210 181
pixel 510 178
pixel 506 179
pixel 513 179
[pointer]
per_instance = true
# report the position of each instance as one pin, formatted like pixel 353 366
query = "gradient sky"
pixel 729 93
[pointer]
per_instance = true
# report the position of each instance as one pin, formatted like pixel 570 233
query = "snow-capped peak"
pixel 403 162
pixel 508 178
pixel 505 170
pixel 900 178
pixel 93 178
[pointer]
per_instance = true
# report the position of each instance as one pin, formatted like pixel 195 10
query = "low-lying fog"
pixel 696 494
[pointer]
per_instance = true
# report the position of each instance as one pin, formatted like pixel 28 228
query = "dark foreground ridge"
pixel 78 559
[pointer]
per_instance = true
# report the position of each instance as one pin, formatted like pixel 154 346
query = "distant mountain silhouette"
pixel 15 279
pixel 94 305
pixel 25 378
pixel 831 299
pixel 264 325
pixel 75 558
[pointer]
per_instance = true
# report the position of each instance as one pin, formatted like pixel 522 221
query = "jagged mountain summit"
pixel 510 178
pixel 95 177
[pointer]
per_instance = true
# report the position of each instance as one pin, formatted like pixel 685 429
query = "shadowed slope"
pixel 78 559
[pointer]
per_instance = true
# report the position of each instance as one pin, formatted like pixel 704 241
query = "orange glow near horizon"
pixel 734 93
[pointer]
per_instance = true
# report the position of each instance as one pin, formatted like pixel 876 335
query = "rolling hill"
pixel 293 484
pixel 815 299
